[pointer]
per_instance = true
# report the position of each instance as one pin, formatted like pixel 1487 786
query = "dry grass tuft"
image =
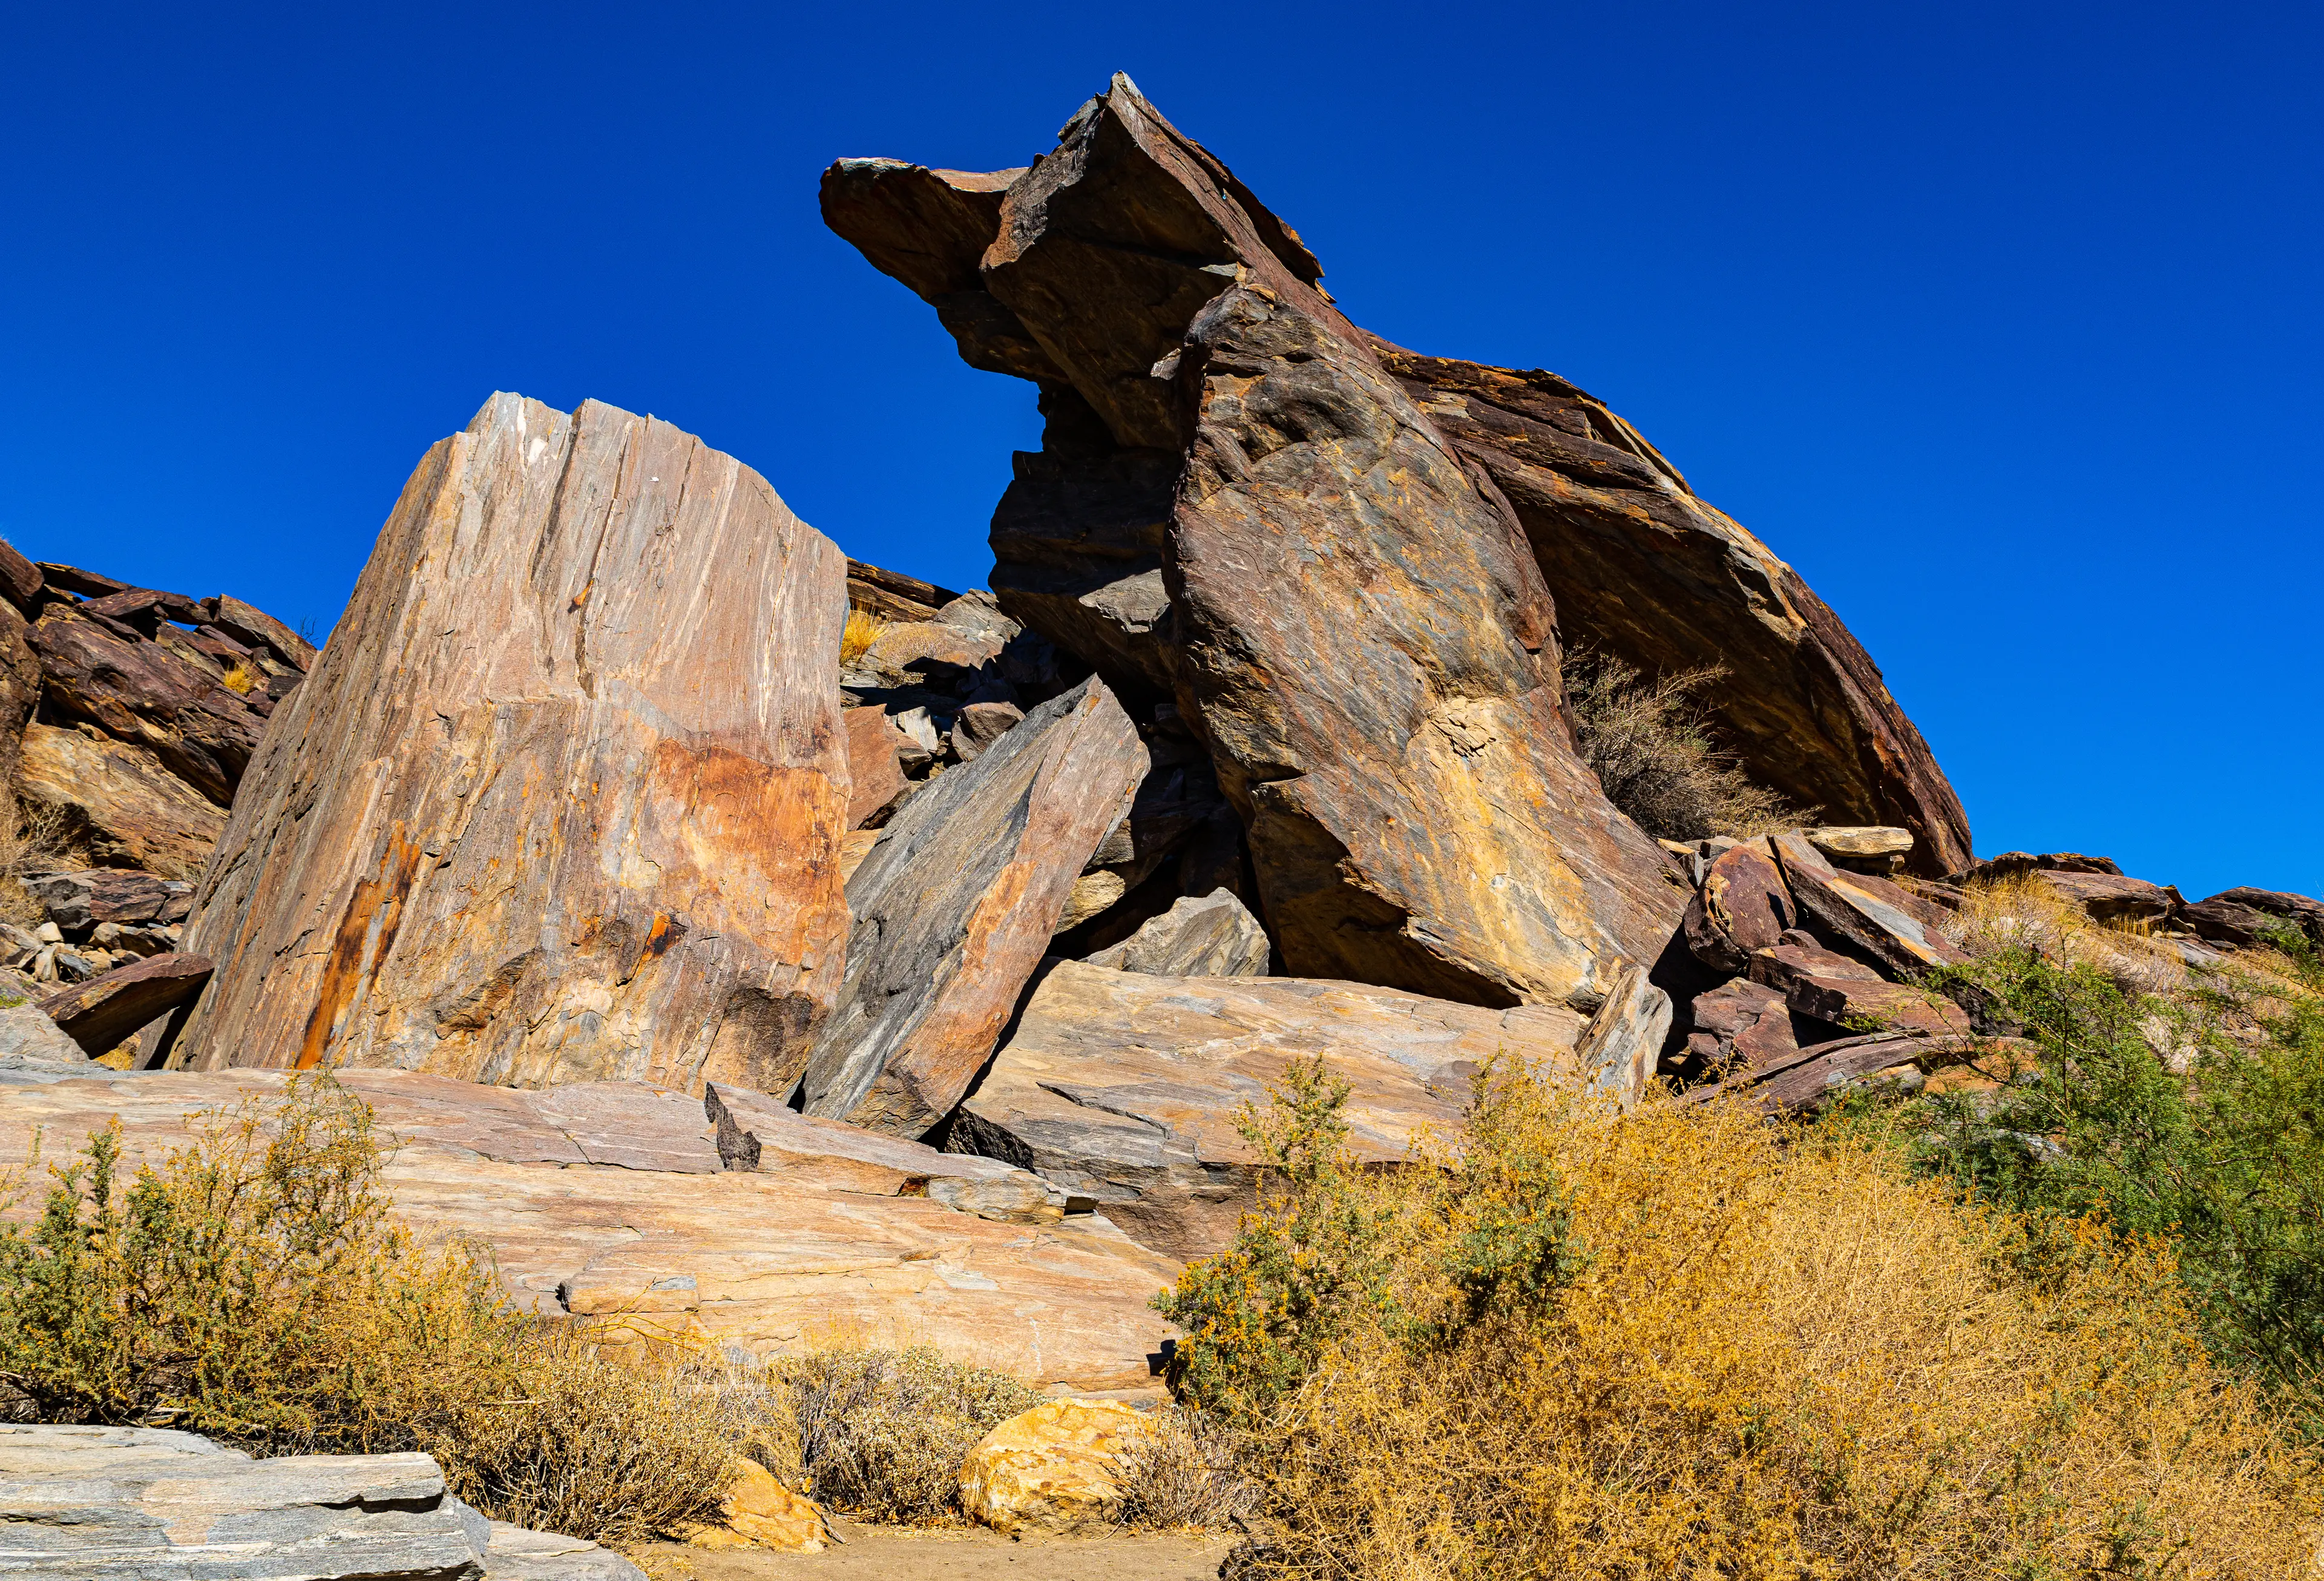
pixel 855 639
pixel 36 837
pixel 2021 912
pixel 1184 1476
pixel 1647 742
pixel 881 1433
pixel 1714 1348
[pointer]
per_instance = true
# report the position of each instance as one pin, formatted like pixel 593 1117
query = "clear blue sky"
pixel 2000 322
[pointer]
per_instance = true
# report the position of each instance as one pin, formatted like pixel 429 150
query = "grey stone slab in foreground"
pixel 147 1504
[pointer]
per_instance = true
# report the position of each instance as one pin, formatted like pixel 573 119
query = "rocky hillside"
pixel 828 919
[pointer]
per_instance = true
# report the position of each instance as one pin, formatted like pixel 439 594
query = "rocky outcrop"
pixel 955 906
pixel 668 1247
pixel 1235 504
pixel 1647 572
pixel 563 799
pixel 1740 906
pixel 1126 1088
pixel 2243 918
pixel 102 671
pixel 1878 919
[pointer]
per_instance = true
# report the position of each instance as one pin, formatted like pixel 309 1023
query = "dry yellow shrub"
pixel 855 639
pixel 1772 1356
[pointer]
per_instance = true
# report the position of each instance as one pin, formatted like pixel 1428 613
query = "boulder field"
pixel 753 946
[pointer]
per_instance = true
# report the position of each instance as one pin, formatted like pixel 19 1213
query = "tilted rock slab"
pixel 669 1248
pixel 1644 570
pixel 118 803
pixel 1235 501
pixel 1126 1087
pixel 563 798
pixel 955 907
pixel 1200 936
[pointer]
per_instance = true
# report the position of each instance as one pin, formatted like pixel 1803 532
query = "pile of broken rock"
pixel 737 995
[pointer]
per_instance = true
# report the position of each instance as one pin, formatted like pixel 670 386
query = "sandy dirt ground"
pixel 888 1553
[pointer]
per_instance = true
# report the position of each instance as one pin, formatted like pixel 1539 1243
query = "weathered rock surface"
pixel 891 594
pixel 514 1553
pixel 875 772
pixel 1618 1050
pixel 1741 1027
pixel 563 798
pixel 84 1502
pixel 2240 918
pixel 1200 936
pixel 101 1013
pixel 1740 907
pixel 139 692
pixel 1125 1087
pixel 2114 898
pixel 19 681
pixel 1869 914
pixel 955 907
pixel 758 1511
pixel 1053 1468
pixel 30 1039
pixel 85 897
pixel 1352 620
pixel 756 1131
pixel 1645 572
pixel 1805 1084
pixel 118 803
pixel 763 1262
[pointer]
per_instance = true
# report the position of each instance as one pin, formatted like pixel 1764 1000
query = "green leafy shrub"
pixel 2224 1160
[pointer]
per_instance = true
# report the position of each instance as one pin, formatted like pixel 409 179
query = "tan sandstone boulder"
pixel 563 798
pixel 758 1511
pixel 1054 1468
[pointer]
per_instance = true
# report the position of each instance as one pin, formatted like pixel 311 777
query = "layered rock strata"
pixel 563 799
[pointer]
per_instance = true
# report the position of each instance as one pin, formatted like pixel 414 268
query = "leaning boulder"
pixel 1878 920
pixel 563 798
pixel 100 1013
pixel 1236 504
pixel 1126 1087
pixel 955 907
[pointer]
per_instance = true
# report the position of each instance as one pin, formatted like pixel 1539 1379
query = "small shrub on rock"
pixel 1647 741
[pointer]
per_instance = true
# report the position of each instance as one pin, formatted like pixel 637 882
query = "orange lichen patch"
pixel 374 900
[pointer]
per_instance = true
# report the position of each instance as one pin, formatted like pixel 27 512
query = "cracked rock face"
pixel 1237 505
pixel 563 799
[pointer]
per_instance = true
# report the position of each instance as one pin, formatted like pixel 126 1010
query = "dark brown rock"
pixel 2242 918
pixel 116 804
pixel 955 906
pixel 1867 1007
pixel 1741 907
pixel 20 579
pixel 253 626
pixel 2113 898
pixel 20 690
pixel 1820 1074
pixel 1348 618
pixel 73 579
pixel 564 798
pixel 79 900
pixel 143 607
pixel 138 692
pixel 1645 572
pixel 1742 1026
pixel 1870 915
pixel 892 596
pixel 1797 954
pixel 978 726
pixel 101 1013
pixel 875 775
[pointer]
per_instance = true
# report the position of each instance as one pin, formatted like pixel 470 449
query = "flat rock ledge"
pixel 160 1506
pixel 610 1201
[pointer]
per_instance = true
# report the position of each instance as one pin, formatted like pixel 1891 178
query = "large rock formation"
pixel 1237 504
pixel 564 797
pixel 955 906
pixel 118 803
pixel 1645 572
pixel 611 1204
